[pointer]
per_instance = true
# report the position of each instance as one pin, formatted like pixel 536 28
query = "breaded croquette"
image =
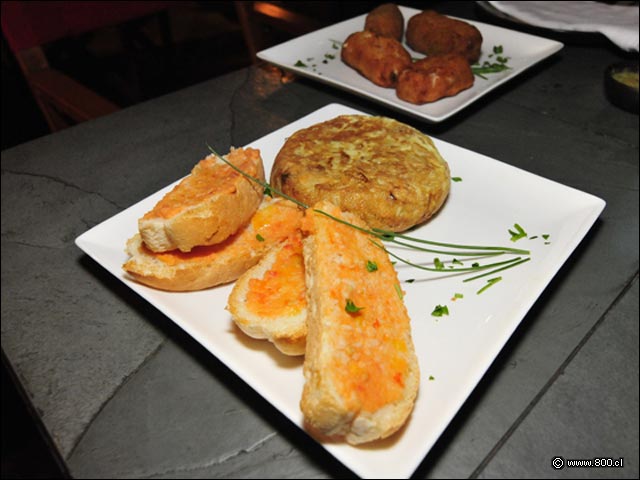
pixel 434 77
pixel 386 20
pixel 379 59
pixel 433 34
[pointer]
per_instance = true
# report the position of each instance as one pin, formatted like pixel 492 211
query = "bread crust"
pixel 197 211
pixel 388 173
pixel 269 300
pixel 208 266
pixel 361 371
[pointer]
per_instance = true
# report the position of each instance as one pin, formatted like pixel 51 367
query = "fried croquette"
pixel 433 34
pixel 386 20
pixel 379 59
pixel 434 77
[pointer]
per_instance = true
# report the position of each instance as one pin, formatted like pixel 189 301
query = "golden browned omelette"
pixel 388 173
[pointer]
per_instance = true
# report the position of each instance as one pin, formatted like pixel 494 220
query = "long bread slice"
pixel 361 372
pixel 207 206
pixel 205 267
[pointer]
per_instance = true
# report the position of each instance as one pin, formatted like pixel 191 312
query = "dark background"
pixel 130 63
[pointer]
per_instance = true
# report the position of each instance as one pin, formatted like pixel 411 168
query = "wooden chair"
pixel 278 15
pixel 28 25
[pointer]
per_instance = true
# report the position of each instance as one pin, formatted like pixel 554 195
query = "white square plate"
pixel 320 52
pixel 454 351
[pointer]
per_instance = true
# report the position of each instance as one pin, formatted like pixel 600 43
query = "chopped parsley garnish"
pixel 500 65
pixel 438 264
pixel 490 283
pixel 398 291
pixel 546 236
pixel 259 237
pixel 518 233
pixel 410 280
pixel 456 179
pixel 329 56
pixel 351 307
pixel 440 310
pixel 371 266
pixel 300 63
pixel 457 296
pixel 487 67
pixel 431 377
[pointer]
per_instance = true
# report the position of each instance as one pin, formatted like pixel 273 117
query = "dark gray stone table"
pixel 123 392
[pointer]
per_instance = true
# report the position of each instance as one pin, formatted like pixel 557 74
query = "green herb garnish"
pixel 490 283
pixel 440 310
pixel 371 266
pixel 351 307
pixel 518 233
pixel 431 377
pixel 487 67
pixel 438 264
pixel 300 63
pixel 398 290
pixel 456 179
pixel 259 237
pixel 508 264
pixel 500 65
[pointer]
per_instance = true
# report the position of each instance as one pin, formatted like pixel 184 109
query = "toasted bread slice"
pixel 361 372
pixel 205 267
pixel 206 207
pixel 269 300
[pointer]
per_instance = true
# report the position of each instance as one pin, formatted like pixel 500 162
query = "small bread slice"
pixel 205 267
pixel 206 207
pixel 269 300
pixel 361 372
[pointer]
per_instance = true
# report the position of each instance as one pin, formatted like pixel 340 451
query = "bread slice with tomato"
pixel 269 300
pixel 208 266
pixel 207 206
pixel 361 372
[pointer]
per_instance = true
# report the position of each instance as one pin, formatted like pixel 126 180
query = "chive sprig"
pixel 411 242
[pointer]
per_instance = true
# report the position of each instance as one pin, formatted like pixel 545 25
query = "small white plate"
pixel 454 351
pixel 320 52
